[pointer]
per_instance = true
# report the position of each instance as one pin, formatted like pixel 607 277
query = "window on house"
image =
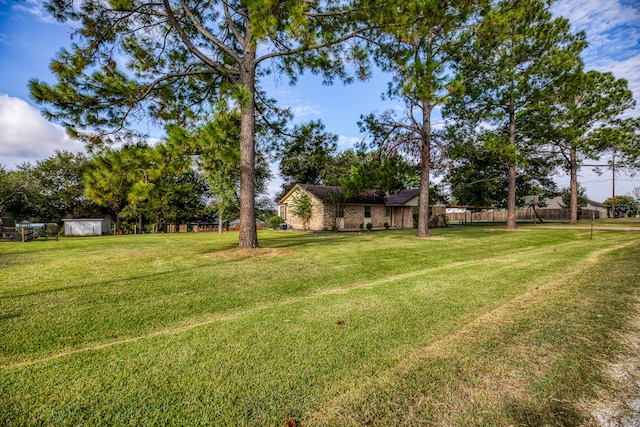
pixel 340 212
pixel 387 212
pixel 367 211
pixel 283 211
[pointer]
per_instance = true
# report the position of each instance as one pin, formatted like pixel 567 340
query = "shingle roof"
pixel 324 192
pixel 402 196
pixel 321 191
pixel 369 197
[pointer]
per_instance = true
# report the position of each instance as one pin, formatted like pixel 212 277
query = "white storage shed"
pixel 87 226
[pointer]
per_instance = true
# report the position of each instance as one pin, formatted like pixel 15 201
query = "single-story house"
pixel 234 224
pixel 87 226
pixel 556 203
pixel 331 210
pixel 601 208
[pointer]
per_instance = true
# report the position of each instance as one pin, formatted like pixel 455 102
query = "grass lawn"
pixel 474 326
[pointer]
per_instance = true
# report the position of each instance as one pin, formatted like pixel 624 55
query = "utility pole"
pixel 613 185
pixel 613 182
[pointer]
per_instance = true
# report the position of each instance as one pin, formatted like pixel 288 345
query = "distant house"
pixel 331 210
pixel 601 208
pixel 86 226
pixel 234 224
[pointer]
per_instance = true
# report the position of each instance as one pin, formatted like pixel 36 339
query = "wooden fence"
pixel 28 233
pixel 9 233
pixel 521 215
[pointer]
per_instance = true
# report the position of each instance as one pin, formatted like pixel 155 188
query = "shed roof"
pixel 73 218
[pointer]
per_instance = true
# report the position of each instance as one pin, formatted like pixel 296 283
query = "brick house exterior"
pixel 332 211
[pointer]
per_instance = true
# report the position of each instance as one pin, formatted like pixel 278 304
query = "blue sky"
pixel 29 39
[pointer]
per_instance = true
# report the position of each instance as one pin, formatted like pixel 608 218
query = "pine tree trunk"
pixel 248 235
pixel 511 175
pixel 425 172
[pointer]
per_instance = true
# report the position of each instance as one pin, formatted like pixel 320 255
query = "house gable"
pixel 318 221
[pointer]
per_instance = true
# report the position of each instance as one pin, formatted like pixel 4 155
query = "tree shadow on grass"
pixel 550 412
pixel 99 283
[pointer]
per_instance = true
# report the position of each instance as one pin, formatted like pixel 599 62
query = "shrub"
pixel 386 225
pixel 274 222
pixel 369 226
pixel 438 221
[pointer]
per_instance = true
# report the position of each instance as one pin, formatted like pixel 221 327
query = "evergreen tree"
pixel 180 58
pixel 416 42
pixel 518 50
pixel 580 119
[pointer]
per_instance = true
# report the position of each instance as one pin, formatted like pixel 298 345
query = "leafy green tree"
pixel 415 42
pixel 341 166
pixel 623 206
pixel 305 158
pixel 518 50
pixel 302 207
pixel 580 119
pixel 180 58
pixel 477 175
pixel 61 183
pixel 216 150
pixel 117 177
pixel 567 198
pixel 18 188
pixel 147 184
pixel 382 173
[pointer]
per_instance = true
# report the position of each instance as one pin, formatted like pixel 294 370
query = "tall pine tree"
pixel 172 61
pixel 517 52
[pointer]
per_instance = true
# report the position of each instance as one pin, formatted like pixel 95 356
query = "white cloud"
pixel 26 136
pixel 36 9
pixel 301 111
pixel 346 142
pixel 613 34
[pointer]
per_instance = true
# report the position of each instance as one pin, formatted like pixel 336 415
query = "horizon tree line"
pixel 506 74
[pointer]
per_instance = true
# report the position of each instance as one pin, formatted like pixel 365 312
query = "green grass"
pixel 475 326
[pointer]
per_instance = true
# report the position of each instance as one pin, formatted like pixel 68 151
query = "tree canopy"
pixel 416 41
pixel 580 119
pixel 518 50
pixel 173 61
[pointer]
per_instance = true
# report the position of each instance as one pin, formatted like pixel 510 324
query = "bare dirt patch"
pixel 620 405
pixel 242 253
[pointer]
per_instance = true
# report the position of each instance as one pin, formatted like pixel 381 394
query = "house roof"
pixel 598 204
pixel 236 220
pixel 369 197
pixel 324 192
pixel 321 191
pixel 402 196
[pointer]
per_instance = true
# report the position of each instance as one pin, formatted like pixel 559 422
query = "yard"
pixel 474 326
